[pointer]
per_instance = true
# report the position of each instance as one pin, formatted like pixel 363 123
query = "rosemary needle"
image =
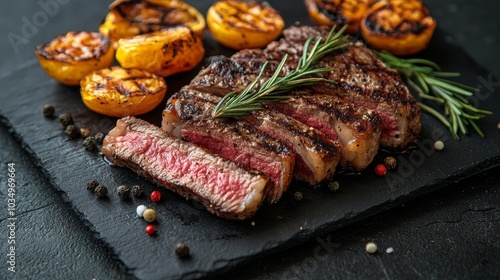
pixel 427 79
pixel 276 87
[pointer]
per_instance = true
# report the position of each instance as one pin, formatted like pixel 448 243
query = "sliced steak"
pixel 357 129
pixel 316 155
pixel 226 189
pixel 362 79
pixel 186 116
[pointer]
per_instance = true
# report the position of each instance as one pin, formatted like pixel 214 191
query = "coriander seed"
pixel 101 191
pixel 89 144
pixel 123 192
pixel 390 162
pixel 298 196
pixel 66 119
pixel 181 250
pixel 72 131
pixel 91 185
pixel 99 137
pixel 48 110
pixel 137 191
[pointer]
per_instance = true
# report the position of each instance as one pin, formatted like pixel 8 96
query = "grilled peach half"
pixel 338 12
pixel 164 52
pixel 130 18
pixel 119 92
pixel 71 56
pixel 240 24
pixel 400 27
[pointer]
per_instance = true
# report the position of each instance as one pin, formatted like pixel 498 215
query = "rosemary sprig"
pixel 275 88
pixel 432 84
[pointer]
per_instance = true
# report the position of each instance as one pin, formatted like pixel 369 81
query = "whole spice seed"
pixel 155 196
pixel 84 132
pixel 72 131
pixel 91 185
pixel 48 110
pixel 150 229
pixel 101 191
pixel 99 137
pixel 390 163
pixel 181 250
pixel 334 186
pixel 137 191
pixel 439 145
pixel 298 196
pixel 389 250
pixel 89 144
pixel 498 125
pixel 140 210
pixel 123 192
pixel 371 247
pixel 380 170
pixel 66 119
pixel 149 215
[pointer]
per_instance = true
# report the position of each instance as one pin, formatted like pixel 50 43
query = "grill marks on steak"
pixel 187 117
pixel 362 79
pixel 226 189
pixel 316 155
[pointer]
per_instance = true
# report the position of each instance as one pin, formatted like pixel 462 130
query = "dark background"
pixel 452 233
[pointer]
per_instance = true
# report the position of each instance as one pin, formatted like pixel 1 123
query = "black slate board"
pixel 218 245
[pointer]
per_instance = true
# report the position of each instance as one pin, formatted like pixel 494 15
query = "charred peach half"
pixel 71 56
pixel 130 18
pixel 119 92
pixel 338 12
pixel 240 24
pixel 163 52
pixel 400 27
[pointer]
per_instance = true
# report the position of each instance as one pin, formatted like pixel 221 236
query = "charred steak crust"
pixel 226 189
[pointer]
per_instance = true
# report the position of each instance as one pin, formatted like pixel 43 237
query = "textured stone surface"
pixel 218 245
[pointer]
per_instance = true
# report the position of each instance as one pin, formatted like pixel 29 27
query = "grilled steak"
pixel 357 129
pixel 362 79
pixel 226 189
pixel 316 156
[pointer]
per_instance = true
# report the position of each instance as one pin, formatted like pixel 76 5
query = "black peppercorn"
pixel 84 132
pixel 98 138
pixel 137 190
pixel 101 191
pixel 181 250
pixel 298 196
pixel 390 162
pixel 72 131
pixel 48 110
pixel 91 185
pixel 89 144
pixel 66 119
pixel 123 192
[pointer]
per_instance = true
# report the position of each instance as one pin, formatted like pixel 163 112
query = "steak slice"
pixel 226 189
pixel 357 129
pixel 186 117
pixel 316 155
pixel 362 79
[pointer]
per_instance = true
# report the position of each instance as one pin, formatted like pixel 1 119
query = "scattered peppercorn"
pixel 438 145
pixel 181 250
pixel 371 247
pixel 149 215
pixel 84 132
pixel 89 144
pixel 99 137
pixel 123 192
pixel 48 110
pixel 91 185
pixel 498 125
pixel 155 196
pixel 150 229
pixel 72 131
pixel 140 210
pixel 137 191
pixel 101 191
pixel 389 250
pixel 66 119
pixel 390 162
pixel 298 196
pixel 380 170
pixel 334 186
